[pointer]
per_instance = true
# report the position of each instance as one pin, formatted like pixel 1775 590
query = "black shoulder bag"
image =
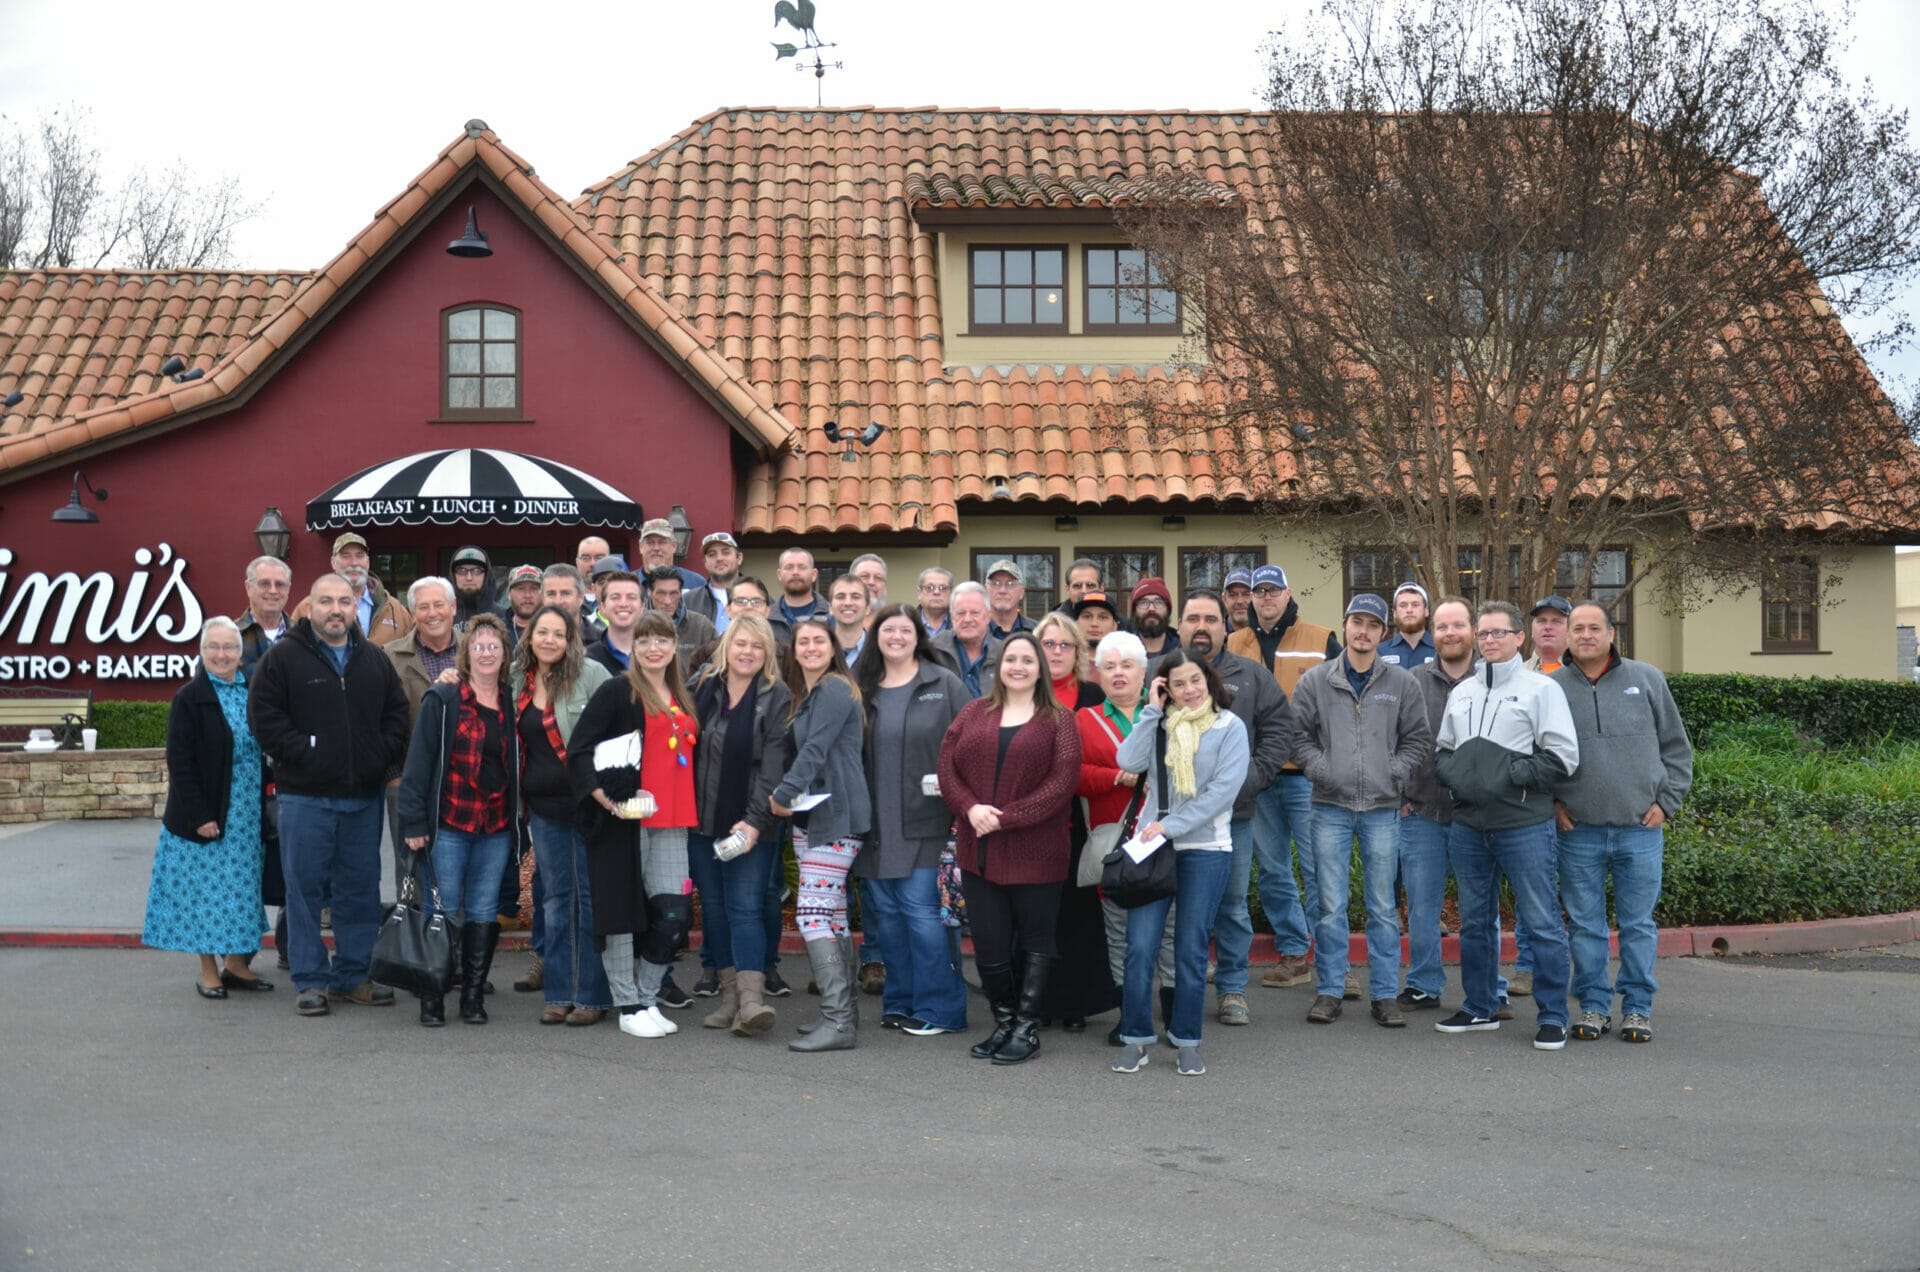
pixel 415 950
pixel 1129 883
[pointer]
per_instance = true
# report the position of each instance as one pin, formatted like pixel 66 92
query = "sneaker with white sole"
pixel 1636 1028
pixel 1464 1021
pixel 1550 1038
pixel 923 1029
pixel 660 1019
pixel 1190 1064
pixel 1591 1026
pixel 640 1024
pixel 1132 1058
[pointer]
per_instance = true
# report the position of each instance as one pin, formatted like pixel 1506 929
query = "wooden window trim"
pixel 1181 555
pixel 478 414
pixel 1113 588
pixel 980 559
pixel 1092 328
pixel 1064 327
pixel 1808 646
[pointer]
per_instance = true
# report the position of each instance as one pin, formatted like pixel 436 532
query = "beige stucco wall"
pixel 1906 587
pixel 1856 627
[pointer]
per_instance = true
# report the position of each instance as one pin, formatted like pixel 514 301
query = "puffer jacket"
pixel 1506 744
pixel 1360 752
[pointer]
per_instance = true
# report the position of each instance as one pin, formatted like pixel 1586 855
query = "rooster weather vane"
pixel 798 14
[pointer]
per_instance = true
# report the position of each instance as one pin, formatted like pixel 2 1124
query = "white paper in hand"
pixel 620 752
pixel 805 802
pixel 1140 849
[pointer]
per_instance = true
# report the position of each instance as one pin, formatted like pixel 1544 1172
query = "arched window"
pixel 480 363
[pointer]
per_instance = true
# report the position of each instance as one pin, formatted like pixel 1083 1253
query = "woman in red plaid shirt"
pixel 460 797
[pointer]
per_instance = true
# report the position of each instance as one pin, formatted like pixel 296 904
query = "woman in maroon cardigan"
pixel 1008 769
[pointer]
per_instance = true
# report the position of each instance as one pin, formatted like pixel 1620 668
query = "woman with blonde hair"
pixel 828 727
pixel 743 707
pixel 637 867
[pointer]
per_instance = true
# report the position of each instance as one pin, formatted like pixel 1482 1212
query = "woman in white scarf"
pixel 1206 755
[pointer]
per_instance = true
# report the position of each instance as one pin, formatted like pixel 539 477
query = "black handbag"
pixel 1129 883
pixel 415 950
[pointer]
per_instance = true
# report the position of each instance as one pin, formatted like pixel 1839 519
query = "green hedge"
pixel 1833 712
pixel 125 724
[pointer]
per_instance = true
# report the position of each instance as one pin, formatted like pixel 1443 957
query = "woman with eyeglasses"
pixel 910 700
pixel 1008 769
pixel 1082 984
pixel 460 796
pixel 553 681
pixel 638 868
pixel 828 728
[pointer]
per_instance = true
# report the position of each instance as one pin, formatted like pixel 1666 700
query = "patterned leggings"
pixel 821 908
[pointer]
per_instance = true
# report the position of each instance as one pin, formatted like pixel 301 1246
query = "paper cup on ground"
pixel 90 738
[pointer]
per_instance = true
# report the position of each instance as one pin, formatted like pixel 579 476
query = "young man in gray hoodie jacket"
pixel 1636 767
pixel 1360 736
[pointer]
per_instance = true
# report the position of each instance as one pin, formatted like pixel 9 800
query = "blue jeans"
pixel 775 884
pixel 1282 818
pixel 1202 877
pixel 733 898
pixel 1423 871
pixel 923 981
pixel 1233 929
pixel 330 855
pixel 575 976
pixel 467 867
pixel 1632 856
pixel 870 951
pixel 1525 854
pixel 1378 830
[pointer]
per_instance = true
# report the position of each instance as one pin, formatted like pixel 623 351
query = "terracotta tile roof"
pixel 232 351
pixel 788 236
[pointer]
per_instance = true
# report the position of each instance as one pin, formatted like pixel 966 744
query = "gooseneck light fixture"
pixel 75 511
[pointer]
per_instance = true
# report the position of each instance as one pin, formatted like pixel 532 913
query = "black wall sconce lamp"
pixel 75 511
pixel 682 532
pixel 472 242
pixel 273 534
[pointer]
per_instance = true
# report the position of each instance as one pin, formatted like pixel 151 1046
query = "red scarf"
pixel 520 704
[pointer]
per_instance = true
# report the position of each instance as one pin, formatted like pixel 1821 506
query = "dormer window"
pixel 480 363
pixel 1126 294
pixel 1017 290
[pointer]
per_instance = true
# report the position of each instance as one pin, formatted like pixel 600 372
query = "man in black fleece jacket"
pixel 327 708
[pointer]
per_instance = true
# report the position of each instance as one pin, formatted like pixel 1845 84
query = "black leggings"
pixel 1000 912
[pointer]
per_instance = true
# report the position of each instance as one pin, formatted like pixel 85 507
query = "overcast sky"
pixel 325 111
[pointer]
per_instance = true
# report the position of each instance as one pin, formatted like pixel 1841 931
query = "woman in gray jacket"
pixel 827 729
pixel 743 708
pixel 1188 745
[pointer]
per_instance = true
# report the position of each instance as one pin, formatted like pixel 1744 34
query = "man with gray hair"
pixel 422 658
pixel 970 642
pixel 936 595
pixel 871 569
pixel 269 588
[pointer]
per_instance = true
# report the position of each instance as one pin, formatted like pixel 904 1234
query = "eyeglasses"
pixel 1056 646
pixel 749 602
pixel 653 642
pixel 936 588
pixel 1498 633
pixel 1003 583
pixel 1150 602
pixel 1266 589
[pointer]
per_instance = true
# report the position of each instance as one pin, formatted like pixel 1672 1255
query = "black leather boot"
pixel 477 941
pixel 1024 1043
pixel 433 1010
pixel 997 980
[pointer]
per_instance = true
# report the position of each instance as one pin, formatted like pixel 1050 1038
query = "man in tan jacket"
pixel 382 617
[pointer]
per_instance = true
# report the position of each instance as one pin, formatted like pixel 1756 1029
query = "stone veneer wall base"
pixel 86 785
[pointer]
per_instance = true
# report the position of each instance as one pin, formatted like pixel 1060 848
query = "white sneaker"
pixel 660 1019
pixel 640 1025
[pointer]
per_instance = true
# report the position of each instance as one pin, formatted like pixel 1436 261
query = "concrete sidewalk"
pixel 84 883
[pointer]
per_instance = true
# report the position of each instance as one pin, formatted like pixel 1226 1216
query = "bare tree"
pixel 1528 281
pixel 58 209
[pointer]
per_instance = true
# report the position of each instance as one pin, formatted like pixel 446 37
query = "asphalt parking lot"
pixel 1772 1124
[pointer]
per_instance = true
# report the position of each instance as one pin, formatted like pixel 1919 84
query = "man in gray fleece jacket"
pixel 1360 736
pixel 1636 765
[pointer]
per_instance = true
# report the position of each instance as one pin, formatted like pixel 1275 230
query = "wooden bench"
pixel 30 707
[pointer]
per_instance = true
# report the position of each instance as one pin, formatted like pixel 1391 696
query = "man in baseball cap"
pixel 1151 607
pixel 473 590
pixel 382 617
pixel 1238 594
pixel 1547 624
pixel 657 546
pixel 1096 616
pixel 1006 591
pixel 1409 646
pixel 523 598
pixel 720 555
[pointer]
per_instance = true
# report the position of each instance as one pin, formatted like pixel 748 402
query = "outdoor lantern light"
pixel 682 532
pixel 472 242
pixel 75 511
pixel 273 534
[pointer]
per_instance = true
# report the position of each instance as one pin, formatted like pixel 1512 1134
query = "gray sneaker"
pixel 1233 1009
pixel 1636 1028
pixel 1191 1065
pixel 1132 1059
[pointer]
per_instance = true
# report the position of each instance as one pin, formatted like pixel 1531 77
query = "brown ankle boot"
pixel 729 1003
pixel 755 1016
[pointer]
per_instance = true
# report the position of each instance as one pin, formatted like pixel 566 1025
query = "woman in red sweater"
pixel 1008 768
pixel 639 880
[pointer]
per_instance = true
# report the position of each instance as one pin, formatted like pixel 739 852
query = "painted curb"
pixel 1699 942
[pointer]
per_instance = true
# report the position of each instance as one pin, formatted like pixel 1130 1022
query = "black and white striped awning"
pixel 471 487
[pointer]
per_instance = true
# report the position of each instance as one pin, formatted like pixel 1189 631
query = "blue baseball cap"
pixel 1370 605
pixel 1241 578
pixel 1269 576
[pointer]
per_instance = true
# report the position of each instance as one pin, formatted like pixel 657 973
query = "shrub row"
pixel 124 724
pixel 1833 712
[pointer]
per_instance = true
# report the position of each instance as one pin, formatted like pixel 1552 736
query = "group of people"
pixel 648 735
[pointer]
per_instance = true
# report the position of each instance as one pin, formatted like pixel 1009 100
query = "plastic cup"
pixel 89 739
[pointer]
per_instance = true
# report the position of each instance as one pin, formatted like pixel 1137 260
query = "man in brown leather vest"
pixel 1283 813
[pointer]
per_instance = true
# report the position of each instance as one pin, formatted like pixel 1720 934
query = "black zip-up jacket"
pixel 329 734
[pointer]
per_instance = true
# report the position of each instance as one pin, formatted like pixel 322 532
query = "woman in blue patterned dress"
pixel 205 896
